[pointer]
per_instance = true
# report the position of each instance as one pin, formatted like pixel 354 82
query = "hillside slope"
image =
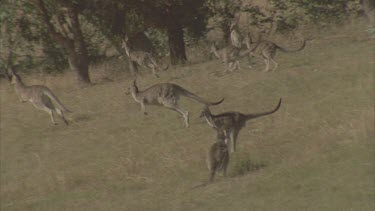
pixel 315 153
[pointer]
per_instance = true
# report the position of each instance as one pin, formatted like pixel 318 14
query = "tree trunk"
pixel 78 55
pixel 79 64
pixel 368 7
pixel 70 38
pixel 176 43
pixel 226 33
pixel 132 65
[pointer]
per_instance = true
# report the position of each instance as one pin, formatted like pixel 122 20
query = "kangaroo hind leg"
pixel 45 104
pixel 172 104
pixel 154 71
pixel 234 135
pixel 61 114
pixel 275 64
pixel 50 111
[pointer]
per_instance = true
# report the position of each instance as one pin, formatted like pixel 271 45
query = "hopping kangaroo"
pixel 267 50
pixel 40 96
pixel 218 156
pixel 167 95
pixel 229 56
pixel 141 58
pixel 232 122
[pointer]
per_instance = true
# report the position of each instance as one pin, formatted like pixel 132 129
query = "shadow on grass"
pixel 81 118
pixel 244 166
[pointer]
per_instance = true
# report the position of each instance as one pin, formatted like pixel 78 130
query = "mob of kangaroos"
pixel 232 122
pixel 167 95
pixel 40 96
pixel 141 58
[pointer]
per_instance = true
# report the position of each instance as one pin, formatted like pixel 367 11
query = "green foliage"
pixel 291 13
pixel 159 40
pixel 224 12
pixel 31 45
pixel 96 42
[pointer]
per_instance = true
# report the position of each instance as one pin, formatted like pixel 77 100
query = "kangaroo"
pixel 167 95
pixel 235 36
pixel 141 58
pixel 229 56
pixel 40 96
pixel 267 50
pixel 218 156
pixel 232 122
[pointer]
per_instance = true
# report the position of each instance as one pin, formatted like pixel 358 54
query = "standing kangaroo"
pixel 218 156
pixel 229 56
pixel 167 95
pixel 232 122
pixel 141 58
pixel 267 50
pixel 235 36
pixel 40 96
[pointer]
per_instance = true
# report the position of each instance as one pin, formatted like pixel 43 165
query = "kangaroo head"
pixel 205 112
pixel 15 78
pixel 133 88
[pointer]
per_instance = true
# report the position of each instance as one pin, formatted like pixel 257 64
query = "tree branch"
pixel 63 41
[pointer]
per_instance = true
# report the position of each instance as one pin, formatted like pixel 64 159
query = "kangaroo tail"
pixel 198 99
pixel 256 115
pixel 293 50
pixel 53 97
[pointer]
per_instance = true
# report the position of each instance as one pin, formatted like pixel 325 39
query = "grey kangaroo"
pixel 40 96
pixel 230 56
pixel 232 122
pixel 267 50
pixel 141 58
pixel 167 95
pixel 218 156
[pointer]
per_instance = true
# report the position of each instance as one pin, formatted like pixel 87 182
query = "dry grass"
pixel 315 153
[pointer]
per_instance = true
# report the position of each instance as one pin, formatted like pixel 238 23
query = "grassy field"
pixel 315 153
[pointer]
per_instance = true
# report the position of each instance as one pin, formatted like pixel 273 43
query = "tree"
pixel 64 27
pixel 24 41
pixel 110 17
pixel 368 7
pixel 225 12
pixel 174 16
